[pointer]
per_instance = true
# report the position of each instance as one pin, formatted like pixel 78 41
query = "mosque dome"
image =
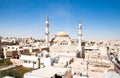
pixel 61 34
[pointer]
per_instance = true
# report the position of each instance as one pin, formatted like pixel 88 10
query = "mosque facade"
pixel 62 42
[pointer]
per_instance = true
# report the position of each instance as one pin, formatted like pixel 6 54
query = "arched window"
pixel 64 43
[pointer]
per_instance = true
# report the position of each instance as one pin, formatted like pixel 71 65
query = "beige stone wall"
pixel 68 74
pixel 63 48
pixel 63 44
pixel 15 61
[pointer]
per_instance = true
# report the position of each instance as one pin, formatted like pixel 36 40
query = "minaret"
pixel 0 48
pixel 47 32
pixel 80 36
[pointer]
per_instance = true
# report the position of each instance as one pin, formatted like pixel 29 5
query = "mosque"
pixel 62 42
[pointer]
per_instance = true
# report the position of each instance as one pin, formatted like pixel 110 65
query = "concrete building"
pixel 10 51
pixel 32 49
pixel 41 60
pixel 29 40
pixel 63 62
pixel 14 51
pixel 30 61
pixel 49 72
pixel 47 59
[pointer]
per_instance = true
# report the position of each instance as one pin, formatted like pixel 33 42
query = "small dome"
pixel 61 34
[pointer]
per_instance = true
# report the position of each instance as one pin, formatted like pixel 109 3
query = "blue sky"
pixel 24 18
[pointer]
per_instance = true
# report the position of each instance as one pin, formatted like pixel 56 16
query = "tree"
pixel 83 44
pixel 92 43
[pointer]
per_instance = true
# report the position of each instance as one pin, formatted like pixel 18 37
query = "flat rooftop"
pixel 48 71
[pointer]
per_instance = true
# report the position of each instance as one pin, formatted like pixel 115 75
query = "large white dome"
pixel 61 34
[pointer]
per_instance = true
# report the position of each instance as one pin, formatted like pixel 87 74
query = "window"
pixel 64 43
pixel 25 61
pixel 34 62
pixel 56 76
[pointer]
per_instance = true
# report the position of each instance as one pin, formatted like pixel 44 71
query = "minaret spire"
pixel 47 32
pixel 80 36
pixel 0 48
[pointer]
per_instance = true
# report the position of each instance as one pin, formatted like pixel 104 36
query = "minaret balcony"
pixel 47 33
pixel 79 34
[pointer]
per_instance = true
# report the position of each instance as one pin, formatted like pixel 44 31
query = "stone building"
pixel 63 43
